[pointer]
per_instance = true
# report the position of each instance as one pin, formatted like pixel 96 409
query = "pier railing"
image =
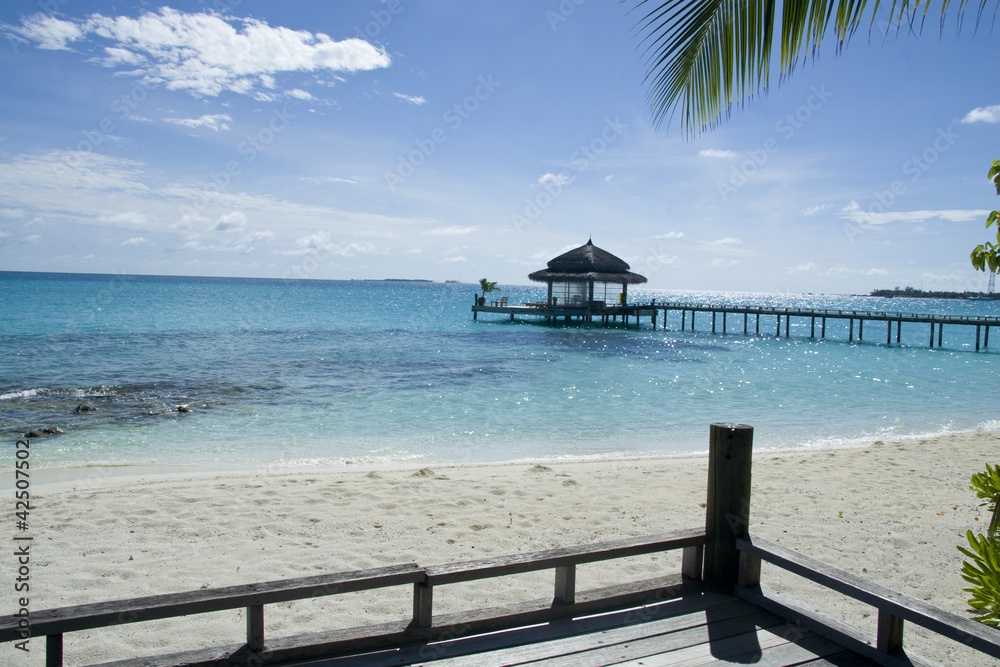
pixel 608 314
pixel 722 557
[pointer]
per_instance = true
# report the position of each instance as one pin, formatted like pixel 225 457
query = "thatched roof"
pixel 586 263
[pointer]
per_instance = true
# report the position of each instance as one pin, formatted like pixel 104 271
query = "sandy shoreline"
pixel 891 512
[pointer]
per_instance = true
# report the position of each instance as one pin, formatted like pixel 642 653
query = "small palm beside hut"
pixel 572 277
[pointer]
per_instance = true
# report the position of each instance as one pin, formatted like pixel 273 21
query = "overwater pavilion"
pixel 580 278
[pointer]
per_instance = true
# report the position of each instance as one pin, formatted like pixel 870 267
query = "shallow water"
pixel 323 372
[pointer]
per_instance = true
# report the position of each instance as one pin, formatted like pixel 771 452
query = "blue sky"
pixel 457 140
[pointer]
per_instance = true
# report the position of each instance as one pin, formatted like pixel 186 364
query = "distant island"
pixel 913 293
pixel 407 280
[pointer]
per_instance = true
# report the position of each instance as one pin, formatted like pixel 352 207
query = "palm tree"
pixel 488 286
pixel 707 55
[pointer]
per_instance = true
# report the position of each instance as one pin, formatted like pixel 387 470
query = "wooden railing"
pixel 54 623
pixel 722 558
pixel 893 608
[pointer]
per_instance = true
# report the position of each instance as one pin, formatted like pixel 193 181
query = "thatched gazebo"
pixel 571 277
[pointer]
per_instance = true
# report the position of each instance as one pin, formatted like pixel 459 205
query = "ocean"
pixel 299 373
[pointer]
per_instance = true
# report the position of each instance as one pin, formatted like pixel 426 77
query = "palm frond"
pixel 704 56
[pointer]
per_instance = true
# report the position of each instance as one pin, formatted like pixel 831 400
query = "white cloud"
pixel 299 93
pixel 670 235
pixel 728 246
pixel 718 262
pixel 322 243
pixel 34 239
pixel 49 32
pixel 813 210
pixel 204 54
pixel 840 271
pixel 244 245
pixel 138 240
pixel 11 213
pixel 450 231
pixel 319 180
pixel 459 258
pixel 854 213
pixel 230 222
pixel 214 121
pixel 4 234
pixel 715 152
pixel 125 219
pixel 557 179
pixel 983 115
pixel 802 268
pixel 417 100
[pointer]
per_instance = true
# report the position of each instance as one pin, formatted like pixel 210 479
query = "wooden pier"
pixel 721 315
pixel 714 610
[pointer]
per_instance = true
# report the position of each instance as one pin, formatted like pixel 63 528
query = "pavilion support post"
pixel 727 514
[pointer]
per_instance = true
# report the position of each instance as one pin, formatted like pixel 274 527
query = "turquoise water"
pixel 293 373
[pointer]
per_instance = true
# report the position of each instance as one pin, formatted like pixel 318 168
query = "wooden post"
pixel 565 585
pixel 757 330
pixel 745 316
pixel 986 336
pixel 861 329
pixel 53 651
pixel 788 319
pixel 899 328
pixel 713 321
pixel 812 326
pixel 940 332
pixel 691 562
pixel 932 334
pixel 888 332
pixel 423 605
pixel 777 328
pixel 724 313
pixel 727 514
pixel 255 627
pixel 851 338
pixel 889 635
pixel 822 333
pixel 977 338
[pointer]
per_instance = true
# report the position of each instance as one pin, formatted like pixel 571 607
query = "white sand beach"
pixel 891 512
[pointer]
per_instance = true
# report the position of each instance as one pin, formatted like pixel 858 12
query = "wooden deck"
pixel 694 628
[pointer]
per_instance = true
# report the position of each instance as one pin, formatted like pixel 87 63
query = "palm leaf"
pixel 706 55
